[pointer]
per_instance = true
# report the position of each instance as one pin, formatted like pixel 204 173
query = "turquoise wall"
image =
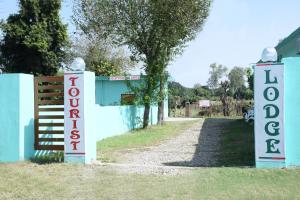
pixel 112 118
pixel 16 117
pixel 115 120
pixel 292 110
pixel 108 93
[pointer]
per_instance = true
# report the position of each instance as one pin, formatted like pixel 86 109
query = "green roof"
pixel 286 40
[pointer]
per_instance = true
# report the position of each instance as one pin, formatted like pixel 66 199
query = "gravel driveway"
pixel 196 147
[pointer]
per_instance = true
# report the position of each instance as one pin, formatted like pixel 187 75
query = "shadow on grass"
pixel 223 142
pixel 54 157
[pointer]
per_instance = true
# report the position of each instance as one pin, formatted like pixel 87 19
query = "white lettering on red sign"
pixel 74 124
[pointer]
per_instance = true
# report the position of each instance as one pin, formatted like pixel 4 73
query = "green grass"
pixel 237 144
pixel 25 181
pixel 111 148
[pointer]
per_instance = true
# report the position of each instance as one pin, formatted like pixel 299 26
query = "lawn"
pixel 27 180
pixel 60 181
pixel 237 144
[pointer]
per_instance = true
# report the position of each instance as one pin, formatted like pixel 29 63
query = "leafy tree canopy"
pixel 179 94
pixel 236 78
pixel 250 78
pixel 101 57
pixel 217 72
pixel 34 39
pixel 154 30
pixel 151 28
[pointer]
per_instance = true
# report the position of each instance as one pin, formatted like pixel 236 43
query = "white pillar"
pixel 80 140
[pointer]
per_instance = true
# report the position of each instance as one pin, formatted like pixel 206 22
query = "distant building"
pixel 114 91
pixel 204 103
pixel 290 46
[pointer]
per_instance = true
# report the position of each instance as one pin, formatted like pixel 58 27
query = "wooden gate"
pixel 49 113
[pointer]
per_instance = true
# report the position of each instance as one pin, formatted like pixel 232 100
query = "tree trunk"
pixel 147 99
pixel 160 113
pixel 146 115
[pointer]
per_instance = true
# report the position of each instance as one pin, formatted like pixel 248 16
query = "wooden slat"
pixel 53 94
pixel 51 87
pixel 50 79
pixel 51 139
pixel 55 88
pixel 51 117
pixel 50 147
pixel 51 124
pixel 51 102
pixel 51 132
pixel 51 109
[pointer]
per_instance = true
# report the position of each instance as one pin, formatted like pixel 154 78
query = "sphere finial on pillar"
pixel 269 54
pixel 78 64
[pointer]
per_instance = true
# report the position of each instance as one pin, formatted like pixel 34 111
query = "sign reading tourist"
pixel 74 114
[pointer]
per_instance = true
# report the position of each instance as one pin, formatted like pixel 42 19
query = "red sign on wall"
pixel 122 78
pixel 74 114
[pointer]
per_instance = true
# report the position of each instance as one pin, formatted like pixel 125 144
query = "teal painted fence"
pixel 115 120
pixel 292 110
pixel 16 117
pixel 17 114
pixel 108 93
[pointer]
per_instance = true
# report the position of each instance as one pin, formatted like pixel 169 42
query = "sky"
pixel 235 34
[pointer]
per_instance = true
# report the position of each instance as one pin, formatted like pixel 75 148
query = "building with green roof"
pixel 290 46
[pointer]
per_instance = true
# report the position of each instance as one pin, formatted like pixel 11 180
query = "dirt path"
pixel 196 147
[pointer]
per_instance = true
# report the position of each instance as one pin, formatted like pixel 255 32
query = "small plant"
pixel 54 157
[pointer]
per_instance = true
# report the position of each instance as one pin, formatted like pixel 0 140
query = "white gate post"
pixel 79 99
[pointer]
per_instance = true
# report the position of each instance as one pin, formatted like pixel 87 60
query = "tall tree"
pixel 250 78
pixel 154 30
pixel 100 56
pixel 224 98
pixel 34 39
pixel 201 91
pixel 237 80
pixel 217 72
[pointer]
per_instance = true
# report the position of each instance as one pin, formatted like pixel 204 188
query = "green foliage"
pixel 100 56
pixel 201 91
pixel 247 93
pixel 250 78
pixel 217 72
pixel 154 31
pixel 237 81
pixel 104 68
pixel 34 39
pixel 179 94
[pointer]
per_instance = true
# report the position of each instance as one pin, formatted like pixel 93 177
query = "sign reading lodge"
pixel 269 112
pixel 74 114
